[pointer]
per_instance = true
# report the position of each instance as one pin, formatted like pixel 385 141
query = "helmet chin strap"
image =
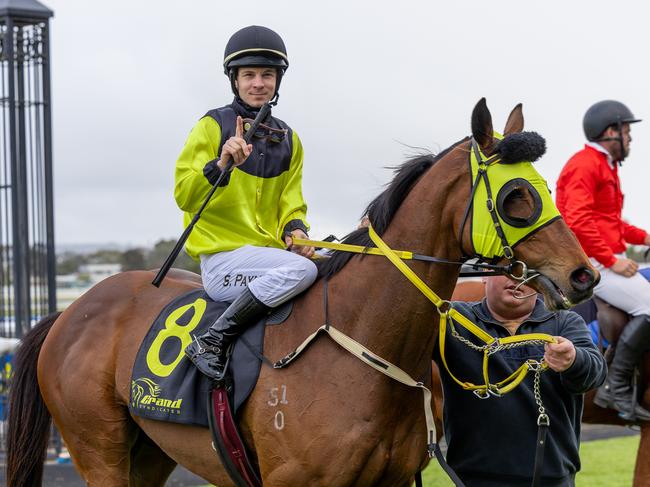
pixel 619 139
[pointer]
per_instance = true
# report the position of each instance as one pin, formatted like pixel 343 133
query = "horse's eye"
pixel 515 194
pixel 519 204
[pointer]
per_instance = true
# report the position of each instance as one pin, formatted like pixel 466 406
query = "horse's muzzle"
pixel 584 279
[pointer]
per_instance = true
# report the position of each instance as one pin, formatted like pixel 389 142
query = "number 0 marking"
pixel 173 329
pixel 279 420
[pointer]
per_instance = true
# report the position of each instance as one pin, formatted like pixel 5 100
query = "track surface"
pixel 66 476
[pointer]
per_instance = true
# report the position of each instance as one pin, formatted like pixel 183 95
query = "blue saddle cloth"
pixel 165 385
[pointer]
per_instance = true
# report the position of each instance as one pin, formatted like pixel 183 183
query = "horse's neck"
pixel 382 308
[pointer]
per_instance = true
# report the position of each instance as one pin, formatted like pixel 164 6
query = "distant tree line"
pixel 132 259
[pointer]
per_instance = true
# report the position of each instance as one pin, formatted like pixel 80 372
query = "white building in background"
pixel 99 272
pixel 69 287
pixel 67 280
pixel 66 295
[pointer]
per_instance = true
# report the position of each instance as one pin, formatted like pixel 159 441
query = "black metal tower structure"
pixel 27 258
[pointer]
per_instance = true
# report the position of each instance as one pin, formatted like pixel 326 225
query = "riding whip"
pixel 263 113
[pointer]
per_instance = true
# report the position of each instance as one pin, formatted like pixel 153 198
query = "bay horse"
pixel 471 290
pixel 344 423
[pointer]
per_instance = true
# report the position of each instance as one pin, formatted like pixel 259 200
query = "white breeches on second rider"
pixel 272 275
pixel 630 294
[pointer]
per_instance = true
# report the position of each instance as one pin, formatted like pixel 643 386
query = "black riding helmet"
pixel 255 46
pixel 603 114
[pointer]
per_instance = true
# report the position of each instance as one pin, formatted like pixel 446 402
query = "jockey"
pixel 244 232
pixel 590 199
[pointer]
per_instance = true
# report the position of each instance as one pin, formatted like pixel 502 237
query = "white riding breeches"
pixel 272 275
pixel 630 294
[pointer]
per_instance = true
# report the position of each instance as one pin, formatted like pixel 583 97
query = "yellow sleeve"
pixel 292 203
pixel 190 185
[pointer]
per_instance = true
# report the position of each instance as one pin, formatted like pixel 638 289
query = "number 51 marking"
pixel 277 395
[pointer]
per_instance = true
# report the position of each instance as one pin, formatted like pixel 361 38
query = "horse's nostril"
pixel 582 278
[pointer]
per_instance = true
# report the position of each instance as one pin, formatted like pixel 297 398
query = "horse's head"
pixel 511 215
pixel 501 212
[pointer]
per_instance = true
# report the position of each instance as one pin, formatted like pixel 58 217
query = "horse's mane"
pixel 382 209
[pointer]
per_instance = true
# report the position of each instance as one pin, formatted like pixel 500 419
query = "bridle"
pixel 509 270
pixel 516 270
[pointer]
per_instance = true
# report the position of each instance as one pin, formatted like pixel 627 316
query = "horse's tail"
pixel 29 419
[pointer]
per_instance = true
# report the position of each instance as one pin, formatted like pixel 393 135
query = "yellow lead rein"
pixel 483 390
pixel 357 249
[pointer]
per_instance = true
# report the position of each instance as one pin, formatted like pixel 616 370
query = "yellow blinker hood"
pixel 502 179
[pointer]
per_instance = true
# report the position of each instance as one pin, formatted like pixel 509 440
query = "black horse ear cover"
pixel 521 147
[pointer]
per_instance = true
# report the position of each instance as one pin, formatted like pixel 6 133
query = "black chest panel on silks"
pixel 269 158
pixel 166 386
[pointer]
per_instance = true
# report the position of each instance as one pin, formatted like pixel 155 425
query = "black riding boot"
pixel 210 351
pixel 618 392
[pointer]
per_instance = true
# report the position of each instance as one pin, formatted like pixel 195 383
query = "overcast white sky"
pixel 367 79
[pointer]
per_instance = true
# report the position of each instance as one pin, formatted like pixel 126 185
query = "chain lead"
pixel 543 418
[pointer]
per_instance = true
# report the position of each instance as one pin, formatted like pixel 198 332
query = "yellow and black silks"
pixel 256 202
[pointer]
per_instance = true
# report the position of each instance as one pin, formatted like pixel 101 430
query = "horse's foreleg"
pixel 642 469
pixel 150 466
pixel 189 446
